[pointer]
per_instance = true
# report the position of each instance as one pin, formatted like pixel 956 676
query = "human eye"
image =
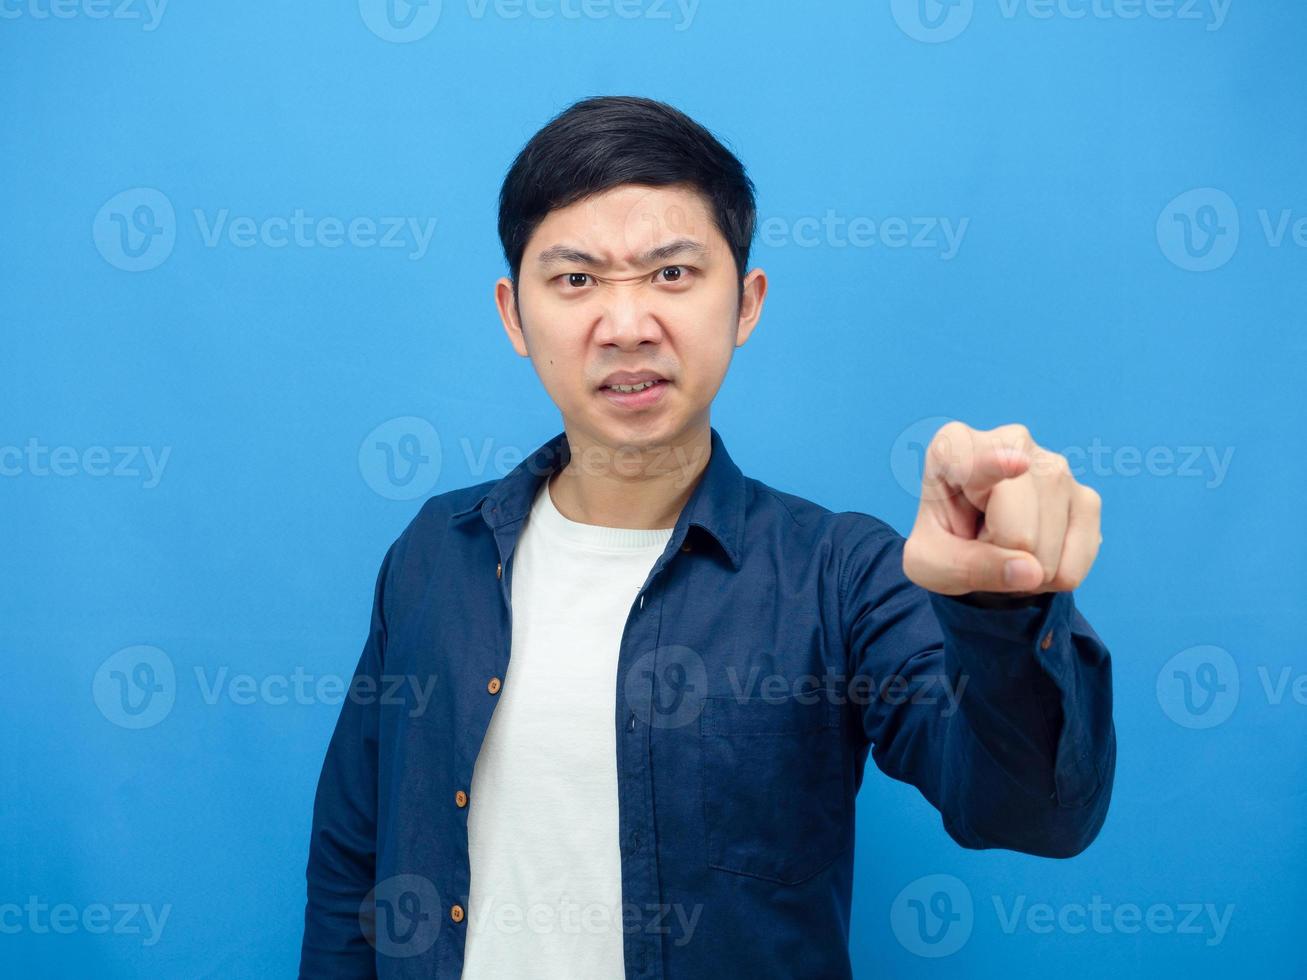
pixel 576 280
pixel 674 274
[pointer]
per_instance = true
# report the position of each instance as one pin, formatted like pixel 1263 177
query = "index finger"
pixel 963 459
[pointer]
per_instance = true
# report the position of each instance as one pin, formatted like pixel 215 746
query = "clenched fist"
pixel 999 513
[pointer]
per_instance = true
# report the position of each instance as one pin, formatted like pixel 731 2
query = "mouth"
pixel 640 394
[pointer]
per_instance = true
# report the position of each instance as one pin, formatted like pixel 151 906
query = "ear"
pixel 755 291
pixel 504 302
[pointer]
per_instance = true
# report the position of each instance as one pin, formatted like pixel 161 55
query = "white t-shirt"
pixel 545 894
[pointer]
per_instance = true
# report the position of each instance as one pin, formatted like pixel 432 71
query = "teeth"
pixel 627 389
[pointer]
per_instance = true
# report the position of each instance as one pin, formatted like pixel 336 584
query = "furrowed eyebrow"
pixel 680 246
pixel 566 255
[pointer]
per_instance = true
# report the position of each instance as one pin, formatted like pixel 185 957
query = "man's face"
pixel 634 284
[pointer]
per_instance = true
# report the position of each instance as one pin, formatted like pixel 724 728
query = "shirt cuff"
pixel 1008 642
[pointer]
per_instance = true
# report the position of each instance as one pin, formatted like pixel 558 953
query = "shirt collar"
pixel 716 504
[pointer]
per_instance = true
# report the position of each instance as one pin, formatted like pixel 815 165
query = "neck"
pixel 641 487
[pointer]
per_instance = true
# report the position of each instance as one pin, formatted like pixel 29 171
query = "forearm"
pixel 1028 757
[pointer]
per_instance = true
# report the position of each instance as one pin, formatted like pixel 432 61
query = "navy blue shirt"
pixel 773 645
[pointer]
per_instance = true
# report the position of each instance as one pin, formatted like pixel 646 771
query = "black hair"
pixel 598 143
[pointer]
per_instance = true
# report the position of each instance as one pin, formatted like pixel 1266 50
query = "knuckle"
pixel 1016 430
pixel 1021 541
pixel 947 447
pixel 953 434
pixel 1054 465
pixel 940 448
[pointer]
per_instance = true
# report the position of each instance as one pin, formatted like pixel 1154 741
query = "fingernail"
pixel 1018 570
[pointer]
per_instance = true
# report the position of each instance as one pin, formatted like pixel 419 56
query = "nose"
pixel 628 320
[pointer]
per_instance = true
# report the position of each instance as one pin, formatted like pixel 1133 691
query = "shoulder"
pixel 428 535
pixel 847 537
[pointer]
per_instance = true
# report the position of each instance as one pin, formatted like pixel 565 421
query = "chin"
pixel 638 432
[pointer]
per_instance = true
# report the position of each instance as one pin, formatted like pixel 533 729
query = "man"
pixel 660 779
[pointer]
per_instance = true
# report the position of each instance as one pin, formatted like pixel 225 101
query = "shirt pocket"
pixel 775 789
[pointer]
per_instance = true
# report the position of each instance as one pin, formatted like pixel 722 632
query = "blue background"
pixel 1073 303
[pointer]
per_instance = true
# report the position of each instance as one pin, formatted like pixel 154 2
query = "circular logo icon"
pixel 907 456
pixel 933 916
pixel 401 916
pixel 1199 230
pixel 135 687
pixel 400 21
pixel 932 21
pixel 400 459
pixel 1199 687
pixel 136 230
pixel 655 219
pixel 665 687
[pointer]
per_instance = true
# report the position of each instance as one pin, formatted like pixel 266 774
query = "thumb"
pixel 944 563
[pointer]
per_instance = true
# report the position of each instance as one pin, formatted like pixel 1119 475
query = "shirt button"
pixel 494 685
pixel 456 913
pixel 686 546
pixel 460 798
pixel 1047 641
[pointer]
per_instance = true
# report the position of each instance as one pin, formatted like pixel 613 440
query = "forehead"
pixel 626 221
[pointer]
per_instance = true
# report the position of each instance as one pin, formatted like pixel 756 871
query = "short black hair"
pixel 601 142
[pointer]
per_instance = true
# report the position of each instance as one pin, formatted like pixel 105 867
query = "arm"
pixel 1018 749
pixel 342 847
